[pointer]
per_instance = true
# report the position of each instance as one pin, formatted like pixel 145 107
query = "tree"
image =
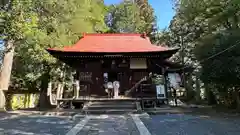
pixel 200 23
pixel 20 20
pixel 33 26
pixel 131 17
pixel 59 26
pixel 62 25
pixel 223 69
pixel 149 18
pixel 125 18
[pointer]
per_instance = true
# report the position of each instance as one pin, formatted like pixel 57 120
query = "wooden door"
pixel 124 80
pixel 97 79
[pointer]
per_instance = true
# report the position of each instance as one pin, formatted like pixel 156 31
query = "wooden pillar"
pixel 165 74
pixel 76 93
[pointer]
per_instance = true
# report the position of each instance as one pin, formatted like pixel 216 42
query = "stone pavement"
pixel 187 124
pixel 36 125
pixel 110 125
pixel 143 124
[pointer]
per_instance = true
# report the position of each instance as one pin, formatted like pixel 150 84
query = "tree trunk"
pixel 198 90
pixel 77 89
pixel 52 96
pixel 6 70
pixel 211 99
pixel 237 99
pixel 61 91
pixel 59 87
pixel 44 101
pixel 2 99
pixel 189 87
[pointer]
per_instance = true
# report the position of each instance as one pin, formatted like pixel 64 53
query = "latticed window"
pixel 85 76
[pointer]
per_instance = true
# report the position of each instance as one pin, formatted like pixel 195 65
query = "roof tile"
pixel 114 43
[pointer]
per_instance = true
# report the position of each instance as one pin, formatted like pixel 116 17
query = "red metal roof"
pixel 112 43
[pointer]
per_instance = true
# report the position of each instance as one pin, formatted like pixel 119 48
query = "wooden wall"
pixel 127 77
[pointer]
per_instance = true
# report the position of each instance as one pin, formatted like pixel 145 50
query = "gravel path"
pixel 186 124
pixel 161 124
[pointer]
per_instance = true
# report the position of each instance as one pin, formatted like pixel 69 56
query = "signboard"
pixel 160 90
pixel 136 63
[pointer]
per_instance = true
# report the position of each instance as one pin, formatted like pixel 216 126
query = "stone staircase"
pixel 111 107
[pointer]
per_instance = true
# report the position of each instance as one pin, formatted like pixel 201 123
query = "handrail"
pixel 137 85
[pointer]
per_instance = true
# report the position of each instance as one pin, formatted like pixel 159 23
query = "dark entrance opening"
pixel 121 77
pixel 113 76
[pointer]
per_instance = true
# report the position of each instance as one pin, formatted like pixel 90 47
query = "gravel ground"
pixel 36 125
pixel 159 124
pixel 186 124
pixel 110 125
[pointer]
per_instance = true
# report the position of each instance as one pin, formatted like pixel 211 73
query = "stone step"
pixel 110 111
pixel 113 103
pixel 111 107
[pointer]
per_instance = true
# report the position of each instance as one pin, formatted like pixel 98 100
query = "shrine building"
pixel 130 59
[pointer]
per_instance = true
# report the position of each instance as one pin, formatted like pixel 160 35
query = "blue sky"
pixel 163 10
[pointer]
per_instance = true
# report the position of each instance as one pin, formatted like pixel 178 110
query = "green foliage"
pixel 196 19
pixel 158 79
pixel 224 68
pixel 210 27
pixel 206 28
pixel 125 18
pixel 20 20
pixel 131 17
pixel 38 25
pixel 147 15
pixel 2 20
